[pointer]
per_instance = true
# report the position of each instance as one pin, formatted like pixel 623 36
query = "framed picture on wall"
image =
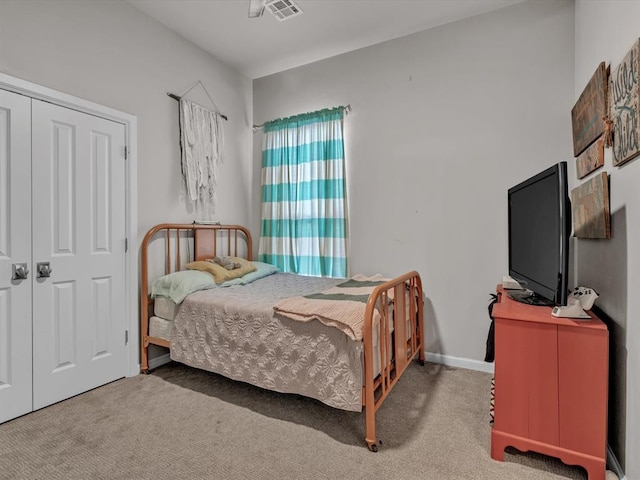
pixel 589 111
pixel 590 208
pixel 624 98
pixel 591 159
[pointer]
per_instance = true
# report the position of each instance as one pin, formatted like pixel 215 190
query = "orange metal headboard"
pixel 220 240
pixel 208 241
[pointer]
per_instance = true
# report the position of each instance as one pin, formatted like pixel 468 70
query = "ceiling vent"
pixel 283 9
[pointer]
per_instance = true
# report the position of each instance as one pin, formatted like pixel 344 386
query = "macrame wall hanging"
pixel 202 147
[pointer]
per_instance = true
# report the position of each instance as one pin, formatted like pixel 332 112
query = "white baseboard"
pixel 157 361
pixel 613 464
pixel 458 362
pixel 447 360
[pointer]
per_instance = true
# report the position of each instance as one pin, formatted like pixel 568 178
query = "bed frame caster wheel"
pixel 145 371
pixel 373 447
pixel 421 362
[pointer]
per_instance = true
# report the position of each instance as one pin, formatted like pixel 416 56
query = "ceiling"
pixel 257 47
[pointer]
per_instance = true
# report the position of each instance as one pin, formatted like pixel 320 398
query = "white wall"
pixel 110 53
pixel 443 123
pixel 605 31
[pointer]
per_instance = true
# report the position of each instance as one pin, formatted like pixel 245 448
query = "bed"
pixel 249 329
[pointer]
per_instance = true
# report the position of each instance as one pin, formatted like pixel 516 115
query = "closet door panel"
pixel 79 228
pixel 15 248
pixel 61 166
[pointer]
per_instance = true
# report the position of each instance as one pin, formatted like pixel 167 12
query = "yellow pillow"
pixel 221 274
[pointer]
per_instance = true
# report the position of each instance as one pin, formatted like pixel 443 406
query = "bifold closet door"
pixel 15 252
pixel 78 198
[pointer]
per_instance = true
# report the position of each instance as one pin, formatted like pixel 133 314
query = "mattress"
pixel 164 307
pixel 160 328
pixel 234 332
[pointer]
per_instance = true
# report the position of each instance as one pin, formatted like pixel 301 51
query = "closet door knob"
pixel 20 271
pixel 44 269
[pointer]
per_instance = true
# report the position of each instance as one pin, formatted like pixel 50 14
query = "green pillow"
pixel 178 285
pixel 262 270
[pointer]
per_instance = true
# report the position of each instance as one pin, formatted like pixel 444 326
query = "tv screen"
pixel 539 230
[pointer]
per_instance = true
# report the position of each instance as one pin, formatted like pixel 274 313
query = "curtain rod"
pixel 176 97
pixel 346 109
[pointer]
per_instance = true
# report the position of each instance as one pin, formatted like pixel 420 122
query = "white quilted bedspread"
pixel 234 331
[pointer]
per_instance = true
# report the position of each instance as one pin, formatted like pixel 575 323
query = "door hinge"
pixel 126 337
pixel 126 245
pixel 126 152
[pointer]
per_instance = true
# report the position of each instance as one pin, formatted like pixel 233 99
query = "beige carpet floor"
pixel 183 423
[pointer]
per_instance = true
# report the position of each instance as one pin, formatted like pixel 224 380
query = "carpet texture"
pixel 183 423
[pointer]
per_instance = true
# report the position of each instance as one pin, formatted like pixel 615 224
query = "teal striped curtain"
pixel 304 208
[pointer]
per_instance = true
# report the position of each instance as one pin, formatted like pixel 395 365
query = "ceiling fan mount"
pixel 281 9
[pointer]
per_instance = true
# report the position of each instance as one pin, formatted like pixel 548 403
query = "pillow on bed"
pixel 178 285
pixel 221 274
pixel 262 270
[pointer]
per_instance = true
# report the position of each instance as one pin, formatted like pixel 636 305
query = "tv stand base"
pixel 550 385
pixel 595 467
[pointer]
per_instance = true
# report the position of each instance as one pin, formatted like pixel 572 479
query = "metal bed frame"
pixel 400 298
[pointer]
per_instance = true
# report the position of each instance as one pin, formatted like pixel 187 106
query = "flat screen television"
pixel 539 231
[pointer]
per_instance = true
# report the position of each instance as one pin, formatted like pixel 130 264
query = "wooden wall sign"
pixel 588 112
pixel 590 208
pixel 625 104
pixel 591 159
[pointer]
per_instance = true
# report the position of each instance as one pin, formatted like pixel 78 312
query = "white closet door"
pixel 79 228
pixel 15 248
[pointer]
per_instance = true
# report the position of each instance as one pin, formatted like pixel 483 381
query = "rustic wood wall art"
pixel 590 109
pixel 590 208
pixel 625 106
pixel 591 159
